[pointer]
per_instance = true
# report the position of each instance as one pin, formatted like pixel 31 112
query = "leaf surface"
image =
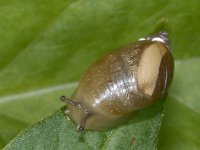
pixel 47 45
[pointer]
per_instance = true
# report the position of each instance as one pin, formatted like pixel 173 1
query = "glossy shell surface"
pixel 124 81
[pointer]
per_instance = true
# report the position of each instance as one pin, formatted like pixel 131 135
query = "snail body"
pixel 126 80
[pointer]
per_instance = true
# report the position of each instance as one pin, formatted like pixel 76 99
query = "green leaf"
pixel 58 132
pixel 180 129
pixel 49 44
pixel 21 110
pixel 9 127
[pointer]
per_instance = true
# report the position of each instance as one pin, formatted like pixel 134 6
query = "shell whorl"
pixel 111 84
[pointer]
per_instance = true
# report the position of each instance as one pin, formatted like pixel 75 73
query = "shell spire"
pixel 161 36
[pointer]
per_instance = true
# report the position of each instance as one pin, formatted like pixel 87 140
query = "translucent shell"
pixel 126 80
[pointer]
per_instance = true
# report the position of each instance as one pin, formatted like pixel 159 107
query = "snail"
pixel 126 80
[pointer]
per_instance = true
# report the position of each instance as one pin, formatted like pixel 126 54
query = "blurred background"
pixel 45 46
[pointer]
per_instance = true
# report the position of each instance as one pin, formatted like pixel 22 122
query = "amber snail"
pixel 126 80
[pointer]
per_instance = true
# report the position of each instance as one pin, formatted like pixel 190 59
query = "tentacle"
pixel 84 117
pixel 69 101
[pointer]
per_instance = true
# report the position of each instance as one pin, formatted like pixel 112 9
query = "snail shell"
pixel 126 80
